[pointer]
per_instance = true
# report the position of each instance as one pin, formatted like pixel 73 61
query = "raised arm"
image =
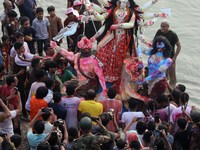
pixel 146 6
pixel 62 51
pixel 163 68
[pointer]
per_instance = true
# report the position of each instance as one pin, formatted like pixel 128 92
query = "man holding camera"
pixel 111 103
pixel 107 118
pixel 89 141
pixel 11 93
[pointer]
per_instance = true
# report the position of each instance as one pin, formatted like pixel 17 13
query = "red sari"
pixel 112 51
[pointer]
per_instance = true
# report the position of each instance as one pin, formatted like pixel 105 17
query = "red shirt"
pixel 117 106
pixel 35 105
pixel 5 92
pixel 7 57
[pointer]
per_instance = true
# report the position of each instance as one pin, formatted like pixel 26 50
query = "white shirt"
pixel 47 127
pixel 128 116
pixel 13 51
pixel 172 107
pixel 19 62
pixel 7 125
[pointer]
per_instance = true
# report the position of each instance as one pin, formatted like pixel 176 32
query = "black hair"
pixel 135 144
pixel 120 142
pixel 146 136
pixel 111 93
pixel 43 146
pixel 51 64
pixel 165 123
pixel 151 126
pixel 39 74
pixel 2 67
pixel 70 89
pixel 195 116
pixel 5 101
pixel 2 45
pixel 60 62
pixel 72 133
pixel 53 138
pixel 12 13
pixel 39 126
pixel 45 116
pixel 184 97
pixel 57 97
pixel 181 87
pixel 159 143
pixel 141 127
pixel 16 139
pixel 91 94
pixel 181 122
pixel 18 34
pixel 51 8
pixel 18 45
pixel 162 126
pixel 49 82
pixel 133 103
pixel 162 99
pixel 46 46
pixel 168 47
pixel 41 92
pixel 152 105
pixel 176 94
pixel 4 4
pixel 10 79
pixel 35 62
pixel 4 38
pixel 105 118
pixel 39 9
pixel 24 19
pixel 85 114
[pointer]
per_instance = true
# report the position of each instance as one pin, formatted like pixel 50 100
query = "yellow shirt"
pixel 92 107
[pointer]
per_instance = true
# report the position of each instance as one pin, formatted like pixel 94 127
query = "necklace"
pixel 121 14
pixel 156 58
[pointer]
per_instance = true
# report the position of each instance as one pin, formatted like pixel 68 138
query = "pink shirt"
pixel 50 56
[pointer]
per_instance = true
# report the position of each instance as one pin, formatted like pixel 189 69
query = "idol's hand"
pixel 113 27
pixel 163 15
pixel 149 44
pixel 105 92
pixel 92 39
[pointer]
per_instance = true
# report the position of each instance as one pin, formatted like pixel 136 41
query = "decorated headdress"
pixel 85 44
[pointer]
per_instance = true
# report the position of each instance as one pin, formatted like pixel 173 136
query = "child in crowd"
pixel 6 42
pixel 55 23
pixel 12 25
pixel 120 144
pixel 3 54
pixel 42 27
pixel 72 40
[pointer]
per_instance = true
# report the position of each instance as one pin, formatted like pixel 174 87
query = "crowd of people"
pixel 42 90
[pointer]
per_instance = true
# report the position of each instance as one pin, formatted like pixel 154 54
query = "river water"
pixel 185 21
